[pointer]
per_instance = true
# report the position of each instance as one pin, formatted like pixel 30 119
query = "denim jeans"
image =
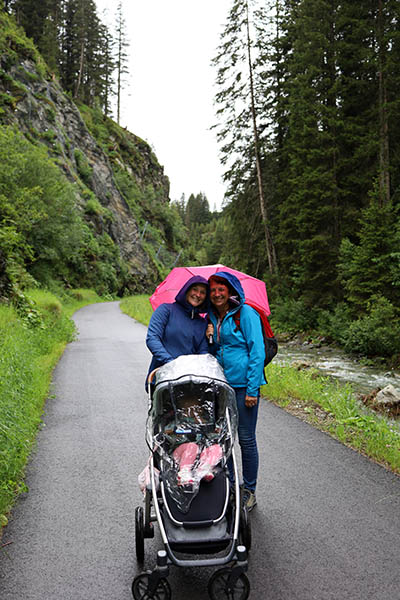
pixel 247 418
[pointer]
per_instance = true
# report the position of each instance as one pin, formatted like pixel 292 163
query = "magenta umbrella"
pixel 254 289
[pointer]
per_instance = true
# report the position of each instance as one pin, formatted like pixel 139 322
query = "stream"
pixel 331 361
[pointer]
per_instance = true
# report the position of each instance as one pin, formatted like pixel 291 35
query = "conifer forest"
pixel 308 123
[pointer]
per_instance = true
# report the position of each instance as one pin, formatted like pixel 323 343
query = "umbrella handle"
pixel 151 375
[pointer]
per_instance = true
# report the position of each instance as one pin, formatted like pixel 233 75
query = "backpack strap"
pixel 236 318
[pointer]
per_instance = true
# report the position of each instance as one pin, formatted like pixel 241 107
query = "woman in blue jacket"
pixel 240 351
pixel 178 328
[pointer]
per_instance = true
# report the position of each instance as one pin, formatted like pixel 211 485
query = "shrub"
pixel 335 325
pixel 294 316
pixel 84 169
pixel 377 333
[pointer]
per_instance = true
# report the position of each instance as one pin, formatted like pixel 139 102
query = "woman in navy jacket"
pixel 178 328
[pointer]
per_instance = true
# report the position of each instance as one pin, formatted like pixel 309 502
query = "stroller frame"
pixel 231 580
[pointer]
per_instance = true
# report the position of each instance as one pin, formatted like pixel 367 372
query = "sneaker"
pixel 249 499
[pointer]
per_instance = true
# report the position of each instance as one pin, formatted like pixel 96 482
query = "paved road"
pixel 327 525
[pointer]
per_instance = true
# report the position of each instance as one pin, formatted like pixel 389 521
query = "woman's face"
pixel 219 295
pixel 196 294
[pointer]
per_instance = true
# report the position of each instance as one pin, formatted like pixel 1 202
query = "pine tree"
pixel 197 211
pixel 31 15
pixel 121 56
pixel 308 215
pixel 108 68
pixel 238 98
pixel 370 267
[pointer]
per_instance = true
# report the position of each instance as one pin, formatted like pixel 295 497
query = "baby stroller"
pixel 200 519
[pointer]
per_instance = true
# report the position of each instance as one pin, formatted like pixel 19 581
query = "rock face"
pixel 42 111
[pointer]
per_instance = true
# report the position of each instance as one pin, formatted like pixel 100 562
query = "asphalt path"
pixel 326 527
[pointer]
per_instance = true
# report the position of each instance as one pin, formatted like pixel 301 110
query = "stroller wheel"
pixel 140 588
pixel 219 588
pixel 245 529
pixel 139 534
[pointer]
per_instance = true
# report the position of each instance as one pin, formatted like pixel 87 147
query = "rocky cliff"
pixel 32 99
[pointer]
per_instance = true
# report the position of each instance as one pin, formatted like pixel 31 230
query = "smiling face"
pixel 196 294
pixel 219 296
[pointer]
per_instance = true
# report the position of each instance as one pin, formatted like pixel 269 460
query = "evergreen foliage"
pixel 327 75
pixel 89 59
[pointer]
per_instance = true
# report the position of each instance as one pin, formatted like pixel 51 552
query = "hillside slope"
pixel 32 100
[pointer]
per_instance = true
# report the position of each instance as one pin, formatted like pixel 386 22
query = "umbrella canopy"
pixel 254 289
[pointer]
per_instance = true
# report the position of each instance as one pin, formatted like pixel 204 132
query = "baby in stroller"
pixel 189 430
pixel 195 460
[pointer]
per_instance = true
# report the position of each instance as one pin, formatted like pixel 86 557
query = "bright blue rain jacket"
pixel 177 328
pixel 240 352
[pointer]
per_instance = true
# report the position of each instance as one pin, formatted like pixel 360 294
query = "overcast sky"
pixel 171 87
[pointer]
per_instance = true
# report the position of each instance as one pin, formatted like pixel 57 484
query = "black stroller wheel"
pixel 139 534
pixel 140 588
pixel 218 588
pixel 245 529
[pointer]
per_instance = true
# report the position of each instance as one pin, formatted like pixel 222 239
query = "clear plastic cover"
pixel 191 425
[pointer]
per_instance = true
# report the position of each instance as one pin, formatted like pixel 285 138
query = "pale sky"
pixel 171 87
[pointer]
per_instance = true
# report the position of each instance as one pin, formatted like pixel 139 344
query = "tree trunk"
pixel 79 80
pixel 384 176
pixel 268 239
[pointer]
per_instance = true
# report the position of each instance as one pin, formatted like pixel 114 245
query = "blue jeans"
pixel 247 440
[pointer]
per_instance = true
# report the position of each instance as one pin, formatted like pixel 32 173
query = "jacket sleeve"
pixel 156 332
pixel 250 324
pixel 204 347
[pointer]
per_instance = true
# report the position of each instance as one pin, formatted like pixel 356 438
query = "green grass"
pixel 32 339
pixel 334 408
pixel 137 307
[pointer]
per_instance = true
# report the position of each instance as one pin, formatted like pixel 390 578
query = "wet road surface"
pixel 326 527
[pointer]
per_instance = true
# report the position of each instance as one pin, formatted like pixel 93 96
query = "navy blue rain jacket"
pixel 178 328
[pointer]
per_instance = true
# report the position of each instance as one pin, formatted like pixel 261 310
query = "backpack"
pixel 270 341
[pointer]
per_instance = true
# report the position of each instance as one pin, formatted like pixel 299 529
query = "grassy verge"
pixel 326 404
pixel 137 307
pixel 334 408
pixel 32 338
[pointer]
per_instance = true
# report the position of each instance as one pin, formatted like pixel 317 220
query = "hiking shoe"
pixel 249 499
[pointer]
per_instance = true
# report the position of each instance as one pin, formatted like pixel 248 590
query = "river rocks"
pixel 386 400
pixel 301 365
pixel 388 396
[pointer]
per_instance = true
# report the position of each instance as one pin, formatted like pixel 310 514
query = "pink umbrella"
pixel 254 289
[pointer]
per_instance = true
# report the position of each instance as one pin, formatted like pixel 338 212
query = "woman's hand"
pixel 210 334
pixel 250 401
pixel 209 330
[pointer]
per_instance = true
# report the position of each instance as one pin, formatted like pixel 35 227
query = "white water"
pixel 332 362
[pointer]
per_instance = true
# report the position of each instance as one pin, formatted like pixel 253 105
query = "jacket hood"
pixel 233 282
pixel 181 295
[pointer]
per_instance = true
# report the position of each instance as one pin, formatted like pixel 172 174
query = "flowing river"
pixel 330 361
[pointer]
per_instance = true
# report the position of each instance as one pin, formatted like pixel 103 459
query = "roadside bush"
pixel 294 316
pixel 377 333
pixel 335 325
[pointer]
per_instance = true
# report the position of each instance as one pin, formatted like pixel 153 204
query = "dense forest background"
pixel 307 116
